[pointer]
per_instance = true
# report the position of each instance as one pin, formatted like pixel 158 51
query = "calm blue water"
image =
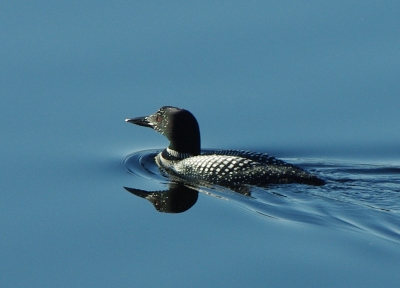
pixel 312 83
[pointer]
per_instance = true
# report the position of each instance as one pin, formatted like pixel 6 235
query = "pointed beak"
pixel 141 121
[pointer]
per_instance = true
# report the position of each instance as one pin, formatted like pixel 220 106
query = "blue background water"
pixel 295 79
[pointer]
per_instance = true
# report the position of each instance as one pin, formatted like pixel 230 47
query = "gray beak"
pixel 141 121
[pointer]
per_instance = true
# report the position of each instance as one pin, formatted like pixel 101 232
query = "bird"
pixel 183 158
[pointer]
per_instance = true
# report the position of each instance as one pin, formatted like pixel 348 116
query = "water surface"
pixel 315 84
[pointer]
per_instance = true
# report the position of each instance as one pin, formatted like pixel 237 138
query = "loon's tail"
pixel 314 180
pixel 309 179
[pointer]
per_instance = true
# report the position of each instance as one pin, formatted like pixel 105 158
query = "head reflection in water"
pixel 177 199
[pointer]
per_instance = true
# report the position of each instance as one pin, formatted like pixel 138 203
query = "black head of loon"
pixel 178 125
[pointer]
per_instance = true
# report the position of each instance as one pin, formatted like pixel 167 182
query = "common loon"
pixel 230 168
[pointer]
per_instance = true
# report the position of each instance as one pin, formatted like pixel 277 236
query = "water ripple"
pixel 356 196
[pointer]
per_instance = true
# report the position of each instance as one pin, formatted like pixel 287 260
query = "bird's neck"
pixel 170 154
pixel 186 142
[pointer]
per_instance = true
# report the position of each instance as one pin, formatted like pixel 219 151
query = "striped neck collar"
pixel 170 154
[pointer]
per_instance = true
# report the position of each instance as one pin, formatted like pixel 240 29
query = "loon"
pixel 184 159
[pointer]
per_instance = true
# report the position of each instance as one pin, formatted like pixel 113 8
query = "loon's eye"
pixel 159 118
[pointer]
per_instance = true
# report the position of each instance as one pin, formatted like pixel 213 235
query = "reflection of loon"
pixel 231 168
pixel 177 199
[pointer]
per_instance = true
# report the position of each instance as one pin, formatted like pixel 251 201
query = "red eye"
pixel 159 118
